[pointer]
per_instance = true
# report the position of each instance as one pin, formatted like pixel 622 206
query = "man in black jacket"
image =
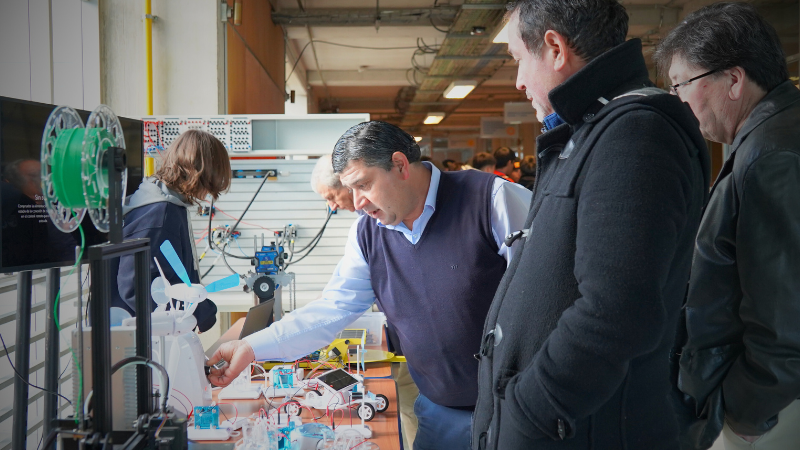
pixel 741 362
pixel 576 343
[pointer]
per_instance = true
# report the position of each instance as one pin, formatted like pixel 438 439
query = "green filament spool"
pixel 74 173
pixel 68 186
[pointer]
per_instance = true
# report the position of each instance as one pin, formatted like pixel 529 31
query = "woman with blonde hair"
pixel 194 167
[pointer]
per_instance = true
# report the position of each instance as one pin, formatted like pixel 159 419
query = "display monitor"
pixel 28 237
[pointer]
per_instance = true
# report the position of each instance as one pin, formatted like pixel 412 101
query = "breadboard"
pixel 235 132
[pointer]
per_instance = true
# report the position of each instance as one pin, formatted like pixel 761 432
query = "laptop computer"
pixel 258 317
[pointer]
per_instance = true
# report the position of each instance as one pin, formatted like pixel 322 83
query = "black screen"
pixel 338 379
pixel 29 239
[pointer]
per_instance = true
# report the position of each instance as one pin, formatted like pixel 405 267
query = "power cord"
pixel 26 381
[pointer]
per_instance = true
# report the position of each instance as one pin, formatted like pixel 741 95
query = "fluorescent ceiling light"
pixel 460 88
pixel 417 138
pixel 502 36
pixel 434 118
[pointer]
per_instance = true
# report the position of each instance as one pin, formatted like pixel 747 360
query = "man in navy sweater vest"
pixel 430 251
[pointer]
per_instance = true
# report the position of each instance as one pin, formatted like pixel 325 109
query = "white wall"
pixel 49 51
pixel 188 57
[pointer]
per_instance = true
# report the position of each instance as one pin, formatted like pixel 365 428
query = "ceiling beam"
pixel 365 16
pixel 472 57
pixel 387 77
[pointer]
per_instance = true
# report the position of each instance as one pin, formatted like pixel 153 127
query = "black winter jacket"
pixel 576 346
pixel 742 359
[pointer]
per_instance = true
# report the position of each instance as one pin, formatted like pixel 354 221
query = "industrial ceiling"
pixel 395 58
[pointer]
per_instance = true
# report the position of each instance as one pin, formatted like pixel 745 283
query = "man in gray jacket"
pixel 740 365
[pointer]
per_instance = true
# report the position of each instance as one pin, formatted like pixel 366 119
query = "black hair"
pixel 503 156
pixel 374 143
pixel 726 35
pixel 591 27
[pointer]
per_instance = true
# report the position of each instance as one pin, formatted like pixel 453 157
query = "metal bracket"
pixel 152 17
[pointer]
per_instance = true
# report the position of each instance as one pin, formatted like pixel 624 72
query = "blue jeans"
pixel 440 427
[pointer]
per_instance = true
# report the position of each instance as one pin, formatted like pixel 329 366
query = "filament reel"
pixel 74 174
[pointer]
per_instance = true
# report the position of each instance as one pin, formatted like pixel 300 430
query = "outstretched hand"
pixel 238 355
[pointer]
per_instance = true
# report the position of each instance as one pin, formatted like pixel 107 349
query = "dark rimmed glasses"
pixel 674 87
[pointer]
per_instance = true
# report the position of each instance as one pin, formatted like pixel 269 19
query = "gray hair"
pixel 323 175
pixel 374 143
pixel 591 27
pixel 726 35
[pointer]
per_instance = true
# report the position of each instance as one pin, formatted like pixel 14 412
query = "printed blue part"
pixel 206 417
pixel 284 443
pixel 284 378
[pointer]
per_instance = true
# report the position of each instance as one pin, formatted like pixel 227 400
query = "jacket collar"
pixel 613 73
pixel 776 100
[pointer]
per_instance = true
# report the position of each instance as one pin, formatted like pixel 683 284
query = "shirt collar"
pixel 430 200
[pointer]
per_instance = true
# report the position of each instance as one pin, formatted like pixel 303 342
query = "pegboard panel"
pixel 235 132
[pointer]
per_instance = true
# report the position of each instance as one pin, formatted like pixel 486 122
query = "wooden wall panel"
pixel 255 61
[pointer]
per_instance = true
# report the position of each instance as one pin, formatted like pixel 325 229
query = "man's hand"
pixel 238 354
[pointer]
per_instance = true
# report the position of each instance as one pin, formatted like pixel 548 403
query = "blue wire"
pixel 240 248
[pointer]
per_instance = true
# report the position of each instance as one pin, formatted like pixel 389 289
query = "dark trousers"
pixel 441 427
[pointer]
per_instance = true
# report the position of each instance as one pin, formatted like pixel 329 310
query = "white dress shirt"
pixel 349 292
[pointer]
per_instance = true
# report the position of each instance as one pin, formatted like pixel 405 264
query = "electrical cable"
pixel 313 244
pixel 297 61
pixel 437 28
pixel 26 381
pixel 210 234
pixel 138 360
pixel 225 260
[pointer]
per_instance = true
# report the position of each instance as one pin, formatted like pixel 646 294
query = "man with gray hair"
pixel 739 366
pixel 326 183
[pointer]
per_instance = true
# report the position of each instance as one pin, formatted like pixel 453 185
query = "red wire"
pixel 234 406
pixel 191 411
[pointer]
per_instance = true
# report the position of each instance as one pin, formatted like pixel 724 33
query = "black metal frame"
pixel 100 259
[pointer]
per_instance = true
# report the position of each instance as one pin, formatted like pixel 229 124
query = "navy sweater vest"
pixel 436 294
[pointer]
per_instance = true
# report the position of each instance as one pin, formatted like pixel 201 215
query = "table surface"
pixel 377 379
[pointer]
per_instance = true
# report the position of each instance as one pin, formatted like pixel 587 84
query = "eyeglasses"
pixel 674 87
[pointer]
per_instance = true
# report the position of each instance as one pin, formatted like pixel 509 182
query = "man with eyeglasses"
pixel 739 366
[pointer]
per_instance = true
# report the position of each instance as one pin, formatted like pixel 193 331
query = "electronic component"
pixel 235 133
pixel 220 364
pixel 206 417
pixel 270 259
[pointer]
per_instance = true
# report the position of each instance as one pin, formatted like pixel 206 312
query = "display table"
pixel 377 378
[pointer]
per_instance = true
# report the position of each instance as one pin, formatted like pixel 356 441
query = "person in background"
pixel 451 165
pixel 516 174
pixel 528 171
pixel 326 183
pixel 504 163
pixel 484 162
pixel 430 251
pixel 195 166
pixel 739 367
pixel 575 347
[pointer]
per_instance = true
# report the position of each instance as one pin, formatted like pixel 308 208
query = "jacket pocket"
pixel 702 371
